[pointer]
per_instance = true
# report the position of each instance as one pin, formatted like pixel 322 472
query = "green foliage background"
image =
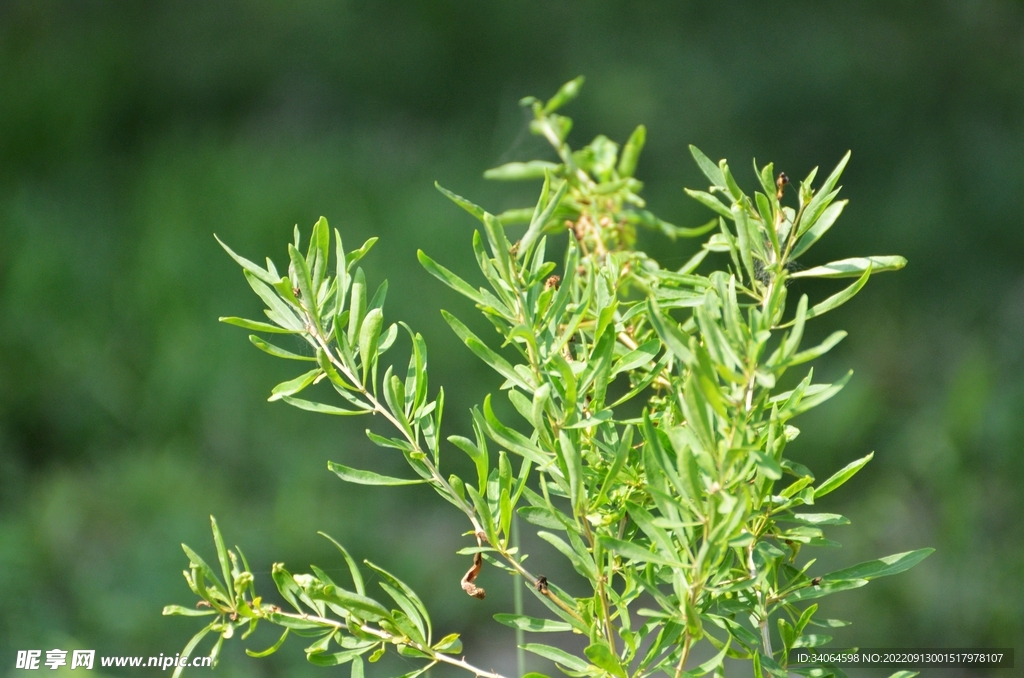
pixel 130 133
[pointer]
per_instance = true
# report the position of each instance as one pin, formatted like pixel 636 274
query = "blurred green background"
pixel 131 132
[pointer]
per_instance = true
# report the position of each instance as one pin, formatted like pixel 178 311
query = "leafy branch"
pixel 656 427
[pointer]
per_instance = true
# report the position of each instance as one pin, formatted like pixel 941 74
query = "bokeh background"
pixel 131 132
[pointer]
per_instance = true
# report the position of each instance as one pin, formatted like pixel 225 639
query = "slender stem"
pixel 517 605
pixel 602 595
pixel 766 637
pixel 684 656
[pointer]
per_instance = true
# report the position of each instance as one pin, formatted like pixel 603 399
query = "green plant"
pixel 653 457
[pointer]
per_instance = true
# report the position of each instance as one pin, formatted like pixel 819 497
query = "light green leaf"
pixel 669 332
pixel 840 298
pixel 450 279
pixel 364 607
pixel 270 650
pixel 358 477
pixel 710 201
pixel 310 406
pixel 883 567
pixel 278 352
pixel 293 386
pixel 631 151
pixel 256 325
pixel 482 351
pixel 518 171
pixel 187 652
pixel 369 334
pixel 475 210
pixel 564 95
pixel 533 624
pixel 635 552
pixel 334 658
pixel 255 269
pixel 710 169
pixel 178 610
pixel 556 655
pixel 818 229
pixel 853 268
pixel 842 475
pixel 357 577
pixel 540 219
pixel 825 588
pixel 602 657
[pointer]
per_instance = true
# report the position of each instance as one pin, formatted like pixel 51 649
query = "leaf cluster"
pixel 650 449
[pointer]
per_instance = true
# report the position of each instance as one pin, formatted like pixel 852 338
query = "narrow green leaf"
pixel 518 171
pixel 554 654
pixel 357 306
pixel 256 325
pixel 825 588
pixel 631 151
pixel 334 658
pixel 178 610
pixel 362 606
pixel 187 652
pixel 841 476
pixel 853 268
pixel 450 644
pixel 668 331
pixel 883 567
pixel 369 334
pixel 533 624
pixel 302 272
pixel 421 609
pixel 710 169
pixel 818 351
pixel 321 408
pixel 358 477
pixel 635 552
pixel 840 298
pixel 293 386
pixel 357 577
pixel 475 210
pixel 482 351
pixel 818 518
pixel 540 219
pixel 270 650
pixel 818 229
pixel 745 243
pixel 710 201
pixel 822 195
pixel 222 555
pixel 601 656
pixel 564 95
pixel 276 351
pixel 582 563
pixel 448 278
pixel 279 310
pixel 255 269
